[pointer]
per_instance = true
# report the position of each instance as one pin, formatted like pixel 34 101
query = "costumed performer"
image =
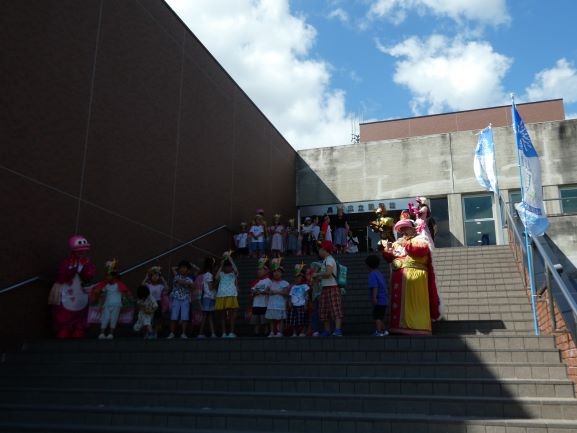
pixel 69 294
pixel 415 301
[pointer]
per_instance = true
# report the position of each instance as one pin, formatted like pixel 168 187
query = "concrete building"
pixel 436 161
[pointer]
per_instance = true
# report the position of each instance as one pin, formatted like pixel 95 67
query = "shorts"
pixel 256 247
pixel 143 320
pixel 379 312
pixel 208 305
pixel 330 304
pixel 274 314
pixel 180 309
pixel 258 316
pixel 297 316
pixel 227 303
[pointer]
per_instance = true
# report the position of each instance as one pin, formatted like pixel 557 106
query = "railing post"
pixel 550 300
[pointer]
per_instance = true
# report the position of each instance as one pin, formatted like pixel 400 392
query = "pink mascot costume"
pixel 68 297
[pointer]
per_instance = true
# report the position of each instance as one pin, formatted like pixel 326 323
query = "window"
pixel 514 198
pixel 568 199
pixel 479 220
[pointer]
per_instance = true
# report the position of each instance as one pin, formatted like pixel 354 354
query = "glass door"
pixel 479 220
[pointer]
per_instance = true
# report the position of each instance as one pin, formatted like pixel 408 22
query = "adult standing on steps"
pixel 415 301
pixel 330 299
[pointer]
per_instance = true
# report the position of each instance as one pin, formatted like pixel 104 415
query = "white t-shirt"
pixel 257 233
pixel 299 295
pixel 207 290
pixel 329 261
pixel 241 240
pixel 259 299
pixel 155 290
pixel 113 296
pixel 316 231
pixel 277 302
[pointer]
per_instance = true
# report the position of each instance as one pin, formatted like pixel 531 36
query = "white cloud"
pixel 449 74
pixel 558 82
pixel 266 49
pixel 340 14
pixel 487 12
pixel 571 116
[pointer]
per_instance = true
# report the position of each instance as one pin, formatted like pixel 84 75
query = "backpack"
pixel 340 276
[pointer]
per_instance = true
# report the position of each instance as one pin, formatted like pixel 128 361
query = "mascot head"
pixel 78 244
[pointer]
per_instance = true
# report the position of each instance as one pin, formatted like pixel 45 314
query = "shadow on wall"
pixel 310 188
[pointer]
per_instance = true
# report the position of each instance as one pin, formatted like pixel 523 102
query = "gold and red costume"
pixel 414 298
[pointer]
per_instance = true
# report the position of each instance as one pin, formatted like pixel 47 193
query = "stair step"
pixel 271 420
pixel 489 387
pixel 522 407
pixel 519 370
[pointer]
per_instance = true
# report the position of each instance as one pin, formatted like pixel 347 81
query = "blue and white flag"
pixel 484 165
pixel 531 210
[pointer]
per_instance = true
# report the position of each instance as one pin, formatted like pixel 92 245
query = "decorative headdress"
pixel 291 221
pixel 78 243
pixel 154 270
pixel 111 266
pixel 263 262
pixel 243 225
pixel 300 269
pixel 405 215
pixel 276 216
pixel 260 211
pixel 276 264
pixel 421 200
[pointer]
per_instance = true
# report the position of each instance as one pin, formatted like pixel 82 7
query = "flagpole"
pixel 498 192
pixel 527 243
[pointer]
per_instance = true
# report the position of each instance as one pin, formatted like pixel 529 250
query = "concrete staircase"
pixel 482 371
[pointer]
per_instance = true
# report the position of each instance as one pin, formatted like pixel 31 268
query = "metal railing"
pixel 545 264
pixel 132 268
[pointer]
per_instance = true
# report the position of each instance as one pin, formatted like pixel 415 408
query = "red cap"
pixel 327 246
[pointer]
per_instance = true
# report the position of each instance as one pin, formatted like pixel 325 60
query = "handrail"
pixel 172 250
pixel 132 268
pixel 20 284
pixel 550 268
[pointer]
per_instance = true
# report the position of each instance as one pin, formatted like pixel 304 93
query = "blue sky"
pixel 314 66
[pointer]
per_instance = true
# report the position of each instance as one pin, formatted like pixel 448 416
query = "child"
pixel 241 240
pixel 208 299
pixel 277 234
pixel 226 295
pixel 325 232
pixel 316 231
pixel 158 289
pixel 299 294
pixel 292 238
pixel 316 290
pixel 116 294
pixel 258 289
pixel 180 298
pixel 276 305
pixel 378 293
pixel 341 230
pixel 352 243
pixel 147 305
pixel 307 237
pixel 257 237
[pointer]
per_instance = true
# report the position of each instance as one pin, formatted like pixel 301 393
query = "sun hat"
pixel 403 223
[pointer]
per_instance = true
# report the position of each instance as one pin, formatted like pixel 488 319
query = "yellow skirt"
pixel 227 303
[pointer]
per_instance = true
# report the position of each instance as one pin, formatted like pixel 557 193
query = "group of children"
pixel 198 294
pixel 260 238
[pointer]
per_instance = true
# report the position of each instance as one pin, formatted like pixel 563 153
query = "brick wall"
pixel 563 338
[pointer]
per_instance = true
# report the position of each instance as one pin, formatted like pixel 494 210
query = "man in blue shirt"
pixel 378 294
